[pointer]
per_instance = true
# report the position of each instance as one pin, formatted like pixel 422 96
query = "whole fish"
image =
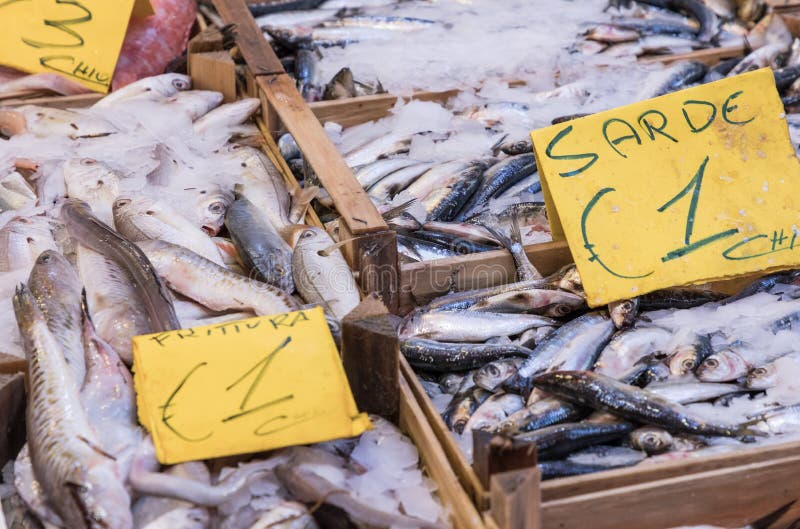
pixel 557 441
pixel 387 145
pixel 469 326
pixel 605 393
pixel 442 357
pixel 434 178
pixel 57 290
pixel 212 285
pixel 452 242
pixel 321 273
pixel 140 218
pixel 92 233
pixel 651 439
pixel 80 480
pixel 734 362
pixel 46 121
pixel 263 251
pixel 95 183
pixel 493 410
pixel 421 250
pixel 584 337
pixel 689 392
pixel 151 88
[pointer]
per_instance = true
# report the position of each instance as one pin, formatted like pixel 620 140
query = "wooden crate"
pixel 657 497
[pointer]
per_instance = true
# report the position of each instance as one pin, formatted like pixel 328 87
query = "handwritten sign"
pixel 696 185
pixel 80 39
pixel 243 386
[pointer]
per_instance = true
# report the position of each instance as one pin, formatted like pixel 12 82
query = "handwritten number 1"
pixel 694 186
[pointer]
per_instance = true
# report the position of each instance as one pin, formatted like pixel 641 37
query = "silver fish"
pixel 494 410
pixel 151 88
pixel 651 439
pixel 95 183
pixel 493 374
pixel 22 240
pixel 470 326
pixel 80 480
pixel 212 285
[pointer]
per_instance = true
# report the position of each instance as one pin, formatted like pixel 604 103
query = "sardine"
pixel 628 347
pixel 462 406
pixel 389 186
pixel 498 178
pixel 493 374
pixel 541 414
pixel 689 392
pixel 651 440
pixel 212 285
pixel 469 326
pixel 91 232
pixel 557 441
pixel 493 410
pixel 624 312
pixel 605 393
pixel 442 357
pixel 263 251
pixel 686 357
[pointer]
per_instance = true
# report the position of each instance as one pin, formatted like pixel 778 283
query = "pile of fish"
pixel 145 213
pixel 674 374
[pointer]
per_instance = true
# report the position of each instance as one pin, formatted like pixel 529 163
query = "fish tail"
pixel 398 210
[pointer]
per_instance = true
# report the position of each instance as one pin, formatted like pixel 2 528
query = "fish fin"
pixel 516 233
pixel 768 519
pixel 398 210
pixel 301 199
pixel 496 147
pixel 504 240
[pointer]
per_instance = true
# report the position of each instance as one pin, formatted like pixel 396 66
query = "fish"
pixel 95 183
pixel 22 240
pixel 651 440
pixel 687 357
pixel 442 356
pixel 584 337
pixel 469 326
pixel 493 374
pixel 263 251
pixel 80 480
pixel 623 313
pixel 95 235
pixel 227 115
pixel 371 173
pixel 162 513
pixel 15 192
pixel 43 82
pixel 462 406
pixel 677 76
pixel 46 121
pixel 321 273
pixel 498 178
pixel 341 86
pixel 493 410
pixel 140 218
pixel 628 402
pixel 195 103
pixel 525 269
pixel 444 204
pixel 57 289
pixel 392 184
pixel 381 147
pixel 628 347
pixel 541 414
pixel 212 285
pixel 557 441
pixel 157 87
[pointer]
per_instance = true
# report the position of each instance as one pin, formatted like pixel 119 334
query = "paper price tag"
pixel 685 188
pixel 243 386
pixel 80 39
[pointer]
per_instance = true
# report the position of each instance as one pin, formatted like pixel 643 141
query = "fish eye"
pixel 493 371
pixel 712 362
pixel 88 162
pixel 307 234
pixel 30 240
pixel 44 258
pixel 760 371
pixel 122 202
pixel 180 84
pixel 217 208
pixel 149 212
pixel 650 439
pixel 687 364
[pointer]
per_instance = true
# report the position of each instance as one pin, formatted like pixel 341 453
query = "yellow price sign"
pixel 685 188
pixel 243 386
pixel 80 39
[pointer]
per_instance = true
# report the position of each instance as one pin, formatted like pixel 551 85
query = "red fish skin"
pixel 152 42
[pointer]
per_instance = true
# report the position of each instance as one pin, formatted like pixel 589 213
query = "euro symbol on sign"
pixel 170 402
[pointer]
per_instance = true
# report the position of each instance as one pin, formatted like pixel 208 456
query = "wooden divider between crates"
pixel 372 251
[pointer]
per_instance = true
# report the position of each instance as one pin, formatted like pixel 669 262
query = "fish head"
pixel 571 281
pixel 22 240
pixel 89 180
pixel 170 83
pixel 101 498
pixel 722 366
pixel 763 377
pixel 211 204
pixel 623 313
pixel 306 236
pixel 651 440
pixel 683 360
pixel 54 277
pixel 494 373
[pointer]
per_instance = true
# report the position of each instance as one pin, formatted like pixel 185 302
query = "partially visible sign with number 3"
pixel 243 386
pixel 692 186
pixel 80 39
